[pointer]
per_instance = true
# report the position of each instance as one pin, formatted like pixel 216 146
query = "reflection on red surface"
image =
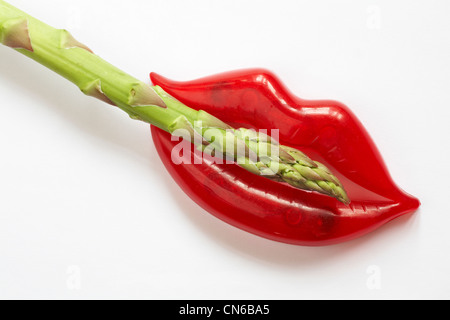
pixel 325 130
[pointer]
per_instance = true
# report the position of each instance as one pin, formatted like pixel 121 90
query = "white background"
pixel 87 209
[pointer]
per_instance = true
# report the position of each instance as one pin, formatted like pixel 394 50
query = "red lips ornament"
pixel 327 131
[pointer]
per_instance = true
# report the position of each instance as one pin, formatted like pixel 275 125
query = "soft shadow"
pixel 275 253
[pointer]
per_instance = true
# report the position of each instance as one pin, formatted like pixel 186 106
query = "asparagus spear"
pixel 59 51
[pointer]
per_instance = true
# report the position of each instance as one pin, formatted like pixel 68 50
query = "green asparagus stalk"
pixel 59 51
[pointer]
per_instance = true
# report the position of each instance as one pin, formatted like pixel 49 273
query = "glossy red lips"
pixel 327 131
